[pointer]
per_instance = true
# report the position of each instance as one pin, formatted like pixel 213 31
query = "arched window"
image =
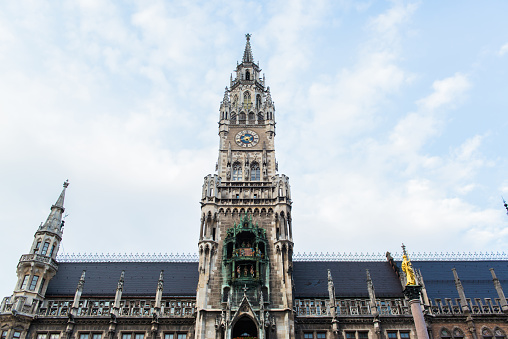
pixel 247 103
pixel 499 333
pixel 247 75
pixel 258 101
pixel 445 333
pixel 457 333
pixel 486 333
pixel 237 171
pixel 242 118
pixel 252 117
pixel 254 172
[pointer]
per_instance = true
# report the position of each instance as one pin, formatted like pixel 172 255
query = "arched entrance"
pixel 245 327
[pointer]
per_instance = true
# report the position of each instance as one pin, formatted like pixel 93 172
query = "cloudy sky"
pixel 391 120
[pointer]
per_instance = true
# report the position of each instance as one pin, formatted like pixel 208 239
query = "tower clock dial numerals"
pixel 247 138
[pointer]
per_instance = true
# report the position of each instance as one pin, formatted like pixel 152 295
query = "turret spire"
pixel 54 220
pixel 247 54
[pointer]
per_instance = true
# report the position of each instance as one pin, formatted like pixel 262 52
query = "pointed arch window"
pixel 486 333
pixel 252 117
pixel 247 75
pixel 445 333
pixel 499 333
pixel 254 172
pixel 457 333
pixel 247 102
pixel 258 101
pixel 237 171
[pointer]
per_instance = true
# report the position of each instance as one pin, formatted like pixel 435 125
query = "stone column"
pixel 412 292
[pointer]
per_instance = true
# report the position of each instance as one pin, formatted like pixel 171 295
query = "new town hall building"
pixel 245 281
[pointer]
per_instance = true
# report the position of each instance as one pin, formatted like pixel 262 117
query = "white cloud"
pixel 503 49
pixel 446 91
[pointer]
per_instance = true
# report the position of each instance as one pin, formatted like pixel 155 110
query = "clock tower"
pixel 245 241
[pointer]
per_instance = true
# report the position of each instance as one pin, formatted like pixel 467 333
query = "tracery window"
pixel 237 172
pixel 247 103
pixel 254 172
pixel 247 75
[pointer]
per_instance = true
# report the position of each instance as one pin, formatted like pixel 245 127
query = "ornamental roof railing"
pixel 417 256
pixel 298 257
pixel 127 257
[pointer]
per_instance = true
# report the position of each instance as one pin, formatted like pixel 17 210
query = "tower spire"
pixel 247 54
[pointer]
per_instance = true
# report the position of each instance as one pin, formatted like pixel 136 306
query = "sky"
pixel 391 120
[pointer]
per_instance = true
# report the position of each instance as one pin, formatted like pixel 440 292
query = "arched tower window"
pixel 247 103
pixel 252 118
pixel 254 172
pixel 247 75
pixel 237 171
pixel 258 101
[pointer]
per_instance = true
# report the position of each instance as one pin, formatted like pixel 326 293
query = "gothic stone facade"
pixel 244 283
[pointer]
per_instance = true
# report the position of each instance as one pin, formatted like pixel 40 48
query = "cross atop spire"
pixel 247 54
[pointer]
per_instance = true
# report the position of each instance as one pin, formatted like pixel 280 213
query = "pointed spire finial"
pixel 247 54
pixel 404 249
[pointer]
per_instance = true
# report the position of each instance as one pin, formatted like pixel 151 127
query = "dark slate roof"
pixel 310 278
pixel 101 279
pixel 349 278
pixel 474 275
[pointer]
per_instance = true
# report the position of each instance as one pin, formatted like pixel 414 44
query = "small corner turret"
pixel 36 268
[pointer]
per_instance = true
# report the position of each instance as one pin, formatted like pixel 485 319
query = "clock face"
pixel 247 138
